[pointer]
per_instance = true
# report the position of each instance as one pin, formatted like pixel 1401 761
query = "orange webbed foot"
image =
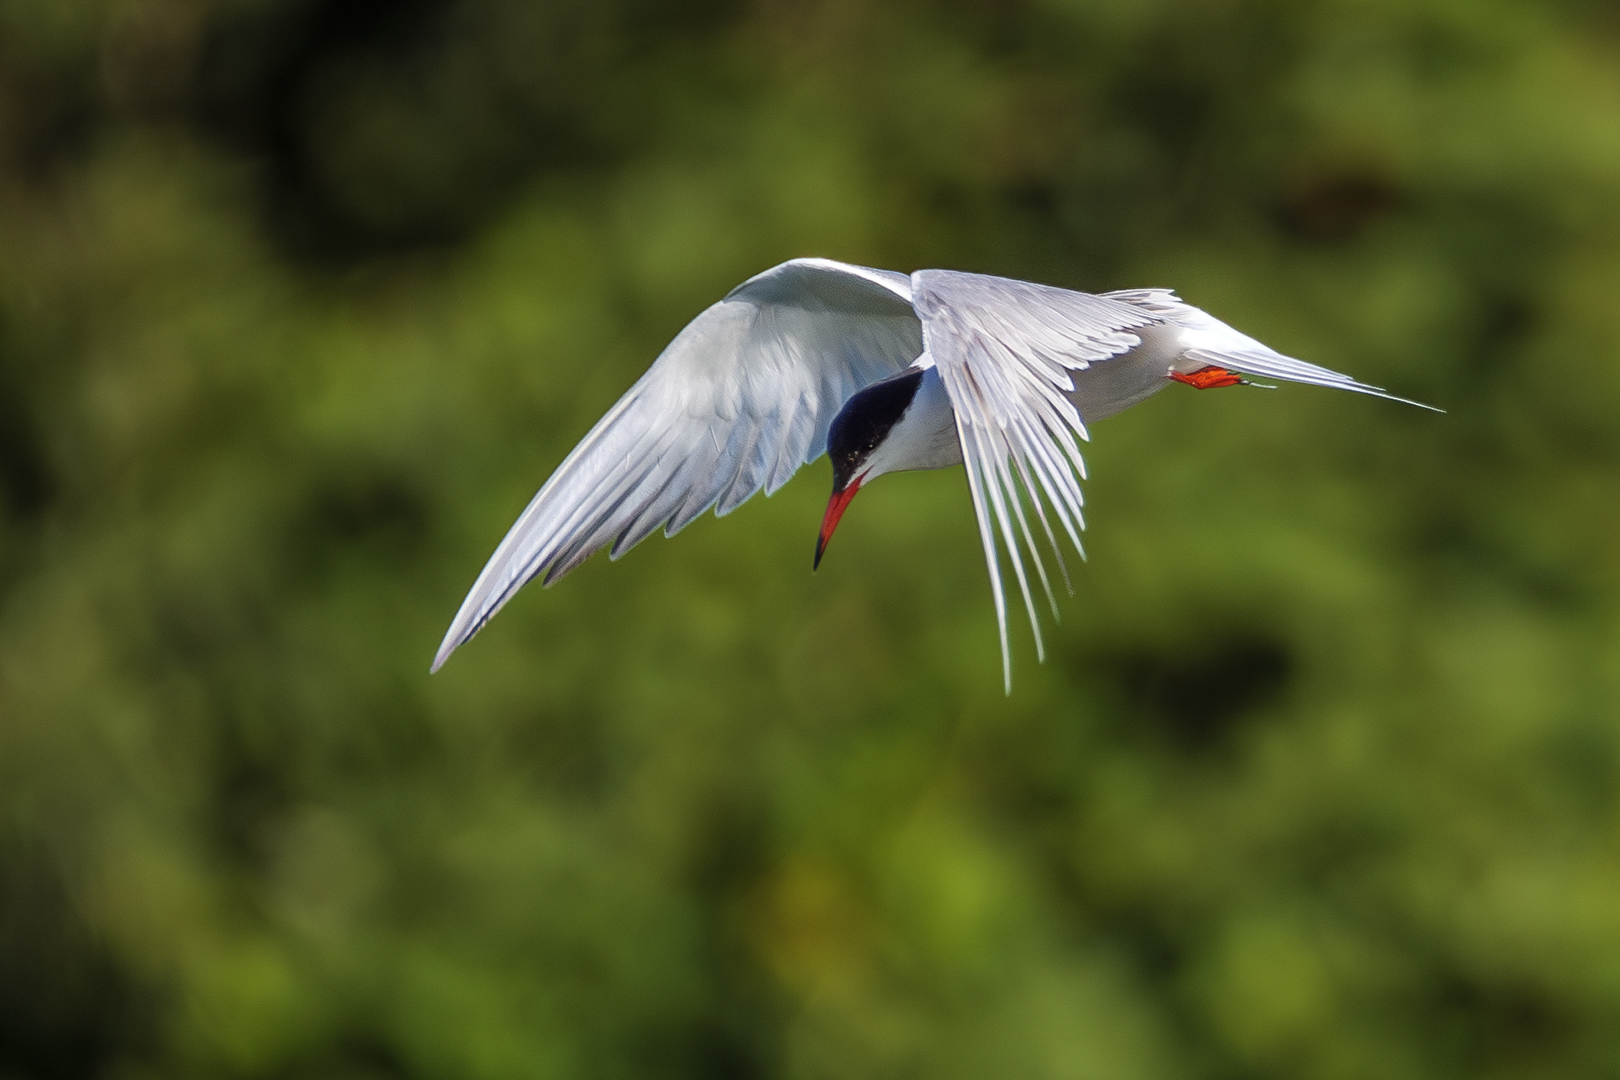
pixel 1208 378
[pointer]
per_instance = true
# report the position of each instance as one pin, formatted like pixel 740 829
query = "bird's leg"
pixel 1208 378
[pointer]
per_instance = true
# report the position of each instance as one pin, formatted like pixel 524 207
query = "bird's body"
pixel 887 372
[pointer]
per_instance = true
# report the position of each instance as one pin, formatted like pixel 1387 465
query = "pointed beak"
pixel 835 509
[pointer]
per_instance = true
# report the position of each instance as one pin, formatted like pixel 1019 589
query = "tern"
pixel 884 372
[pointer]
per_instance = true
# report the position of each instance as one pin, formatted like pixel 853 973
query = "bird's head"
pixel 856 443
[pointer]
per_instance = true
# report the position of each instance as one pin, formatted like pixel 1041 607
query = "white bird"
pixel 885 372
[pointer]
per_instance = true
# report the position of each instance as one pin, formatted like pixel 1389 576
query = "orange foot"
pixel 1208 378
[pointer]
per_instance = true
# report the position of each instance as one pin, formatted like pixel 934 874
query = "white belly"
pixel 1114 385
pixel 925 437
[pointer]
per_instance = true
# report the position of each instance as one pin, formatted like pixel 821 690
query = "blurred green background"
pixel 300 300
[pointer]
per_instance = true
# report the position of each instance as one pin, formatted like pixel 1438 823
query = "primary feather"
pixel 1007 352
pixel 737 402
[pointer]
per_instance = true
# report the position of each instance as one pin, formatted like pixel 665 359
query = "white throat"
pixel 925 435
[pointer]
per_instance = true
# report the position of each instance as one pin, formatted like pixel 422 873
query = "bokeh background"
pixel 300 300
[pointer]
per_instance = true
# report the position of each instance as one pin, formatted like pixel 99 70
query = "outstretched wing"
pixel 1005 350
pixel 738 401
pixel 1205 340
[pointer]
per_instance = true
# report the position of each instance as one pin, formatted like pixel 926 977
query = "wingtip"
pixel 443 654
pixel 454 639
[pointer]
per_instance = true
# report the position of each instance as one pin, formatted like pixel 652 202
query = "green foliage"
pixel 300 301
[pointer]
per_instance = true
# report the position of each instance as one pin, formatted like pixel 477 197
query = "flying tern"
pixel 884 372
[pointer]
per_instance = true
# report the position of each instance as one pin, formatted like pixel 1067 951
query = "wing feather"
pixel 738 401
pixel 1005 351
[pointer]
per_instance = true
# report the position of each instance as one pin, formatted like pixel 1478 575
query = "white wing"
pixel 738 401
pixel 1206 340
pixel 1004 350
